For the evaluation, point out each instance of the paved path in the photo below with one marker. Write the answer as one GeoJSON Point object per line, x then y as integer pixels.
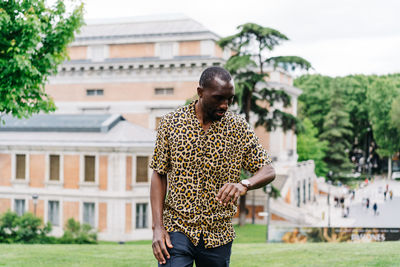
{"type": "Point", "coordinates": [389, 210]}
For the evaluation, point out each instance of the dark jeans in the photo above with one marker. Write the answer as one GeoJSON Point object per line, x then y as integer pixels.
{"type": "Point", "coordinates": [184, 253]}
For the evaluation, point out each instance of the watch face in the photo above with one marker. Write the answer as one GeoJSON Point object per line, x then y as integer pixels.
{"type": "Point", "coordinates": [245, 183]}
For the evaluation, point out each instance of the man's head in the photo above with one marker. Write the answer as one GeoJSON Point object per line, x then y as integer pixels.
{"type": "Point", "coordinates": [216, 91]}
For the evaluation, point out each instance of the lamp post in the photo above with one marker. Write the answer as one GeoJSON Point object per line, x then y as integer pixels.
{"type": "Point", "coordinates": [269, 190]}
{"type": "Point", "coordinates": [329, 203]}
{"type": "Point", "coordinates": [35, 200]}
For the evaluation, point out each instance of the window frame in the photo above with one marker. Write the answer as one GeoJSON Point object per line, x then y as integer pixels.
{"type": "Point", "coordinates": [165, 91]}
{"type": "Point", "coordinates": [96, 92]}
{"type": "Point", "coordinates": [26, 204]}
{"type": "Point", "coordinates": [82, 181]}
{"type": "Point", "coordinates": [14, 167]}
{"type": "Point", "coordinates": [61, 168]}
{"type": "Point", "coordinates": [58, 215]}
{"type": "Point", "coordinates": [134, 169]}
{"type": "Point", "coordinates": [144, 217]}
{"type": "Point", "coordinates": [95, 210]}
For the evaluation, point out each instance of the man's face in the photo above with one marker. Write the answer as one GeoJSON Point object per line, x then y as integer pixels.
{"type": "Point", "coordinates": [216, 99]}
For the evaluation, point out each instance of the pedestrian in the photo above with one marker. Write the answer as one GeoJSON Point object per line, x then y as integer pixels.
{"type": "Point", "coordinates": [367, 204]}
{"type": "Point", "coordinates": [384, 195]}
{"type": "Point", "coordinates": [375, 208]}
{"type": "Point", "coordinates": [199, 153]}
{"type": "Point", "coordinates": [391, 194]}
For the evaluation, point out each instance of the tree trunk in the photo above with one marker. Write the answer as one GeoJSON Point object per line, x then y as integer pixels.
{"type": "Point", "coordinates": [242, 210]}
{"type": "Point", "coordinates": [390, 167]}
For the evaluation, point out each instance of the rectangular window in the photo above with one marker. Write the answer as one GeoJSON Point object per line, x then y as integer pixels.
{"type": "Point", "coordinates": [54, 168]}
{"type": "Point", "coordinates": [20, 166]}
{"type": "Point", "coordinates": [88, 213]}
{"type": "Point", "coordinates": [142, 166]}
{"type": "Point", "coordinates": [141, 215]}
{"type": "Point", "coordinates": [164, 91]}
{"type": "Point", "coordinates": [166, 50]}
{"type": "Point", "coordinates": [19, 206]}
{"type": "Point", "coordinates": [53, 213]}
{"type": "Point", "coordinates": [94, 92]}
{"type": "Point", "coordinates": [90, 168]}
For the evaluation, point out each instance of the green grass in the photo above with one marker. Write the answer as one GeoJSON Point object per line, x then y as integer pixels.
{"type": "Point", "coordinates": [256, 253]}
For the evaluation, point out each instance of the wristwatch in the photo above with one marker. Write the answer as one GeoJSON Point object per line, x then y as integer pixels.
{"type": "Point", "coordinates": [245, 183]}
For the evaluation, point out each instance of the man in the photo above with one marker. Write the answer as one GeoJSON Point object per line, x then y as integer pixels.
{"type": "Point", "coordinates": [199, 153]}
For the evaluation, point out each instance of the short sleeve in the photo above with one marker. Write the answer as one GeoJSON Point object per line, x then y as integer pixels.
{"type": "Point", "coordinates": [255, 156]}
{"type": "Point", "coordinates": [161, 160]}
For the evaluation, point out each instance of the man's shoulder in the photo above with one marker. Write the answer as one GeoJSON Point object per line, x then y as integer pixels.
{"type": "Point", "coordinates": [235, 119]}
{"type": "Point", "coordinates": [180, 112]}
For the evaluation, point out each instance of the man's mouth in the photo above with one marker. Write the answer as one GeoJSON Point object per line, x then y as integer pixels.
{"type": "Point", "coordinates": [220, 113]}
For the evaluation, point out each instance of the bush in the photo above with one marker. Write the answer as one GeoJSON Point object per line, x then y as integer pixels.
{"type": "Point", "coordinates": [23, 229]}
{"type": "Point", "coordinates": [76, 233]}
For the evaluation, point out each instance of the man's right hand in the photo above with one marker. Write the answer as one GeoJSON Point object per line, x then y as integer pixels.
{"type": "Point", "coordinates": [161, 241]}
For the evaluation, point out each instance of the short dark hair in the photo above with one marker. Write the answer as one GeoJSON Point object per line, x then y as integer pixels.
{"type": "Point", "coordinates": [210, 73]}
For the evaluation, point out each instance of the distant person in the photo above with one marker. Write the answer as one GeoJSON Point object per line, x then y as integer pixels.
{"type": "Point", "coordinates": [367, 204]}
{"type": "Point", "coordinates": [384, 195]}
{"type": "Point", "coordinates": [391, 194]}
{"type": "Point", "coordinates": [375, 208]}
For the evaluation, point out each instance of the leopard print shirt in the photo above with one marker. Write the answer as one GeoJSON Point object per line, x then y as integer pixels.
{"type": "Point", "coordinates": [197, 165]}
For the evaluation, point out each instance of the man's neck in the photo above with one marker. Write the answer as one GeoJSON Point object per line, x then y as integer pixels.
{"type": "Point", "coordinates": [205, 124]}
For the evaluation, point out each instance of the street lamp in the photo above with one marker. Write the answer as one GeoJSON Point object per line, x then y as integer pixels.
{"type": "Point", "coordinates": [329, 203]}
{"type": "Point", "coordinates": [269, 190]}
{"type": "Point", "coordinates": [35, 201]}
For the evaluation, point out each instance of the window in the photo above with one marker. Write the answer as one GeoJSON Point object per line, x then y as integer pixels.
{"type": "Point", "coordinates": [164, 91]}
{"type": "Point", "coordinates": [88, 213]}
{"type": "Point", "coordinates": [89, 168]}
{"type": "Point", "coordinates": [53, 213]}
{"type": "Point", "coordinates": [54, 168]}
{"type": "Point", "coordinates": [304, 191]}
{"type": "Point", "coordinates": [142, 164]}
{"type": "Point", "coordinates": [19, 206]}
{"type": "Point", "coordinates": [20, 167]}
{"type": "Point", "coordinates": [94, 92]}
{"type": "Point", "coordinates": [166, 50]}
{"type": "Point", "coordinates": [141, 215]}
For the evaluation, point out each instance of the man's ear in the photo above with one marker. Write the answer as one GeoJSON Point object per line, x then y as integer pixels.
{"type": "Point", "coordinates": [200, 91]}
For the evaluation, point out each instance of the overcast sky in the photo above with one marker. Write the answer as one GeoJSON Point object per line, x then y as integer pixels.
{"type": "Point", "coordinates": [338, 37]}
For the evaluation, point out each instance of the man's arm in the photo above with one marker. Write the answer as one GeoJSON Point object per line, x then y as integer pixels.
{"type": "Point", "coordinates": [161, 238]}
{"type": "Point", "coordinates": [230, 192]}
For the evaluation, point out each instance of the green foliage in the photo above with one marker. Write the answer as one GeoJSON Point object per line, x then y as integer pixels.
{"type": "Point", "coordinates": [337, 132]}
{"type": "Point", "coordinates": [250, 46]}
{"type": "Point", "coordinates": [33, 42]}
{"type": "Point", "coordinates": [395, 113]}
{"type": "Point", "coordinates": [76, 233]}
{"type": "Point", "coordinates": [310, 147]}
{"type": "Point", "coordinates": [26, 229]}
{"type": "Point", "coordinates": [380, 96]}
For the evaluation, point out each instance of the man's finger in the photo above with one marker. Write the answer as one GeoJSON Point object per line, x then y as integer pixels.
{"type": "Point", "coordinates": [235, 199]}
{"type": "Point", "coordinates": [219, 195]}
{"type": "Point", "coordinates": [225, 194]}
{"type": "Point", "coordinates": [157, 253]}
{"type": "Point", "coordinates": [164, 251]}
{"type": "Point", "coordinates": [168, 241]}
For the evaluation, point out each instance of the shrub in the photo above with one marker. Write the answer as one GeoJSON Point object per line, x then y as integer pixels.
{"type": "Point", "coordinates": [23, 229]}
{"type": "Point", "coordinates": [76, 233]}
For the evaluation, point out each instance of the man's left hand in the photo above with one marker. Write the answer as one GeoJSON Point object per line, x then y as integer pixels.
{"type": "Point", "coordinates": [230, 192]}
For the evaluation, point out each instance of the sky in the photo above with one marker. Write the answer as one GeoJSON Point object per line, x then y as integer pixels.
{"type": "Point", "coordinates": [338, 38]}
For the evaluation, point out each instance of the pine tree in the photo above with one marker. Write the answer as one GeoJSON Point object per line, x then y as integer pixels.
{"type": "Point", "coordinates": [337, 132]}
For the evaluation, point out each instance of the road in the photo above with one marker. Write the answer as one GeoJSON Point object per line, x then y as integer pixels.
{"type": "Point", "coordinates": [360, 216]}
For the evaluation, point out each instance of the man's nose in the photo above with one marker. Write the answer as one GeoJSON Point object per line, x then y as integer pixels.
{"type": "Point", "coordinates": [224, 104]}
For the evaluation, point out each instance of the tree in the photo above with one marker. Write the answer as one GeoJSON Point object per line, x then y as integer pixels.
{"type": "Point", "coordinates": [395, 113]}
{"type": "Point", "coordinates": [250, 48]}
{"type": "Point", "coordinates": [337, 132]}
{"type": "Point", "coordinates": [380, 96]}
{"type": "Point", "coordinates": [33, 43]}
{"type": "Point", "coordinates": [310, 147]}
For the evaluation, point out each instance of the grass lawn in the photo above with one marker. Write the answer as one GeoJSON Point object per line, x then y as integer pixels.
{"type": "Point", "coordinates": [256, 253]}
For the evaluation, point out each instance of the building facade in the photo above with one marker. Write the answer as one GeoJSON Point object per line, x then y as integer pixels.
{"type": "Point", "coordinates": [93, 168]}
